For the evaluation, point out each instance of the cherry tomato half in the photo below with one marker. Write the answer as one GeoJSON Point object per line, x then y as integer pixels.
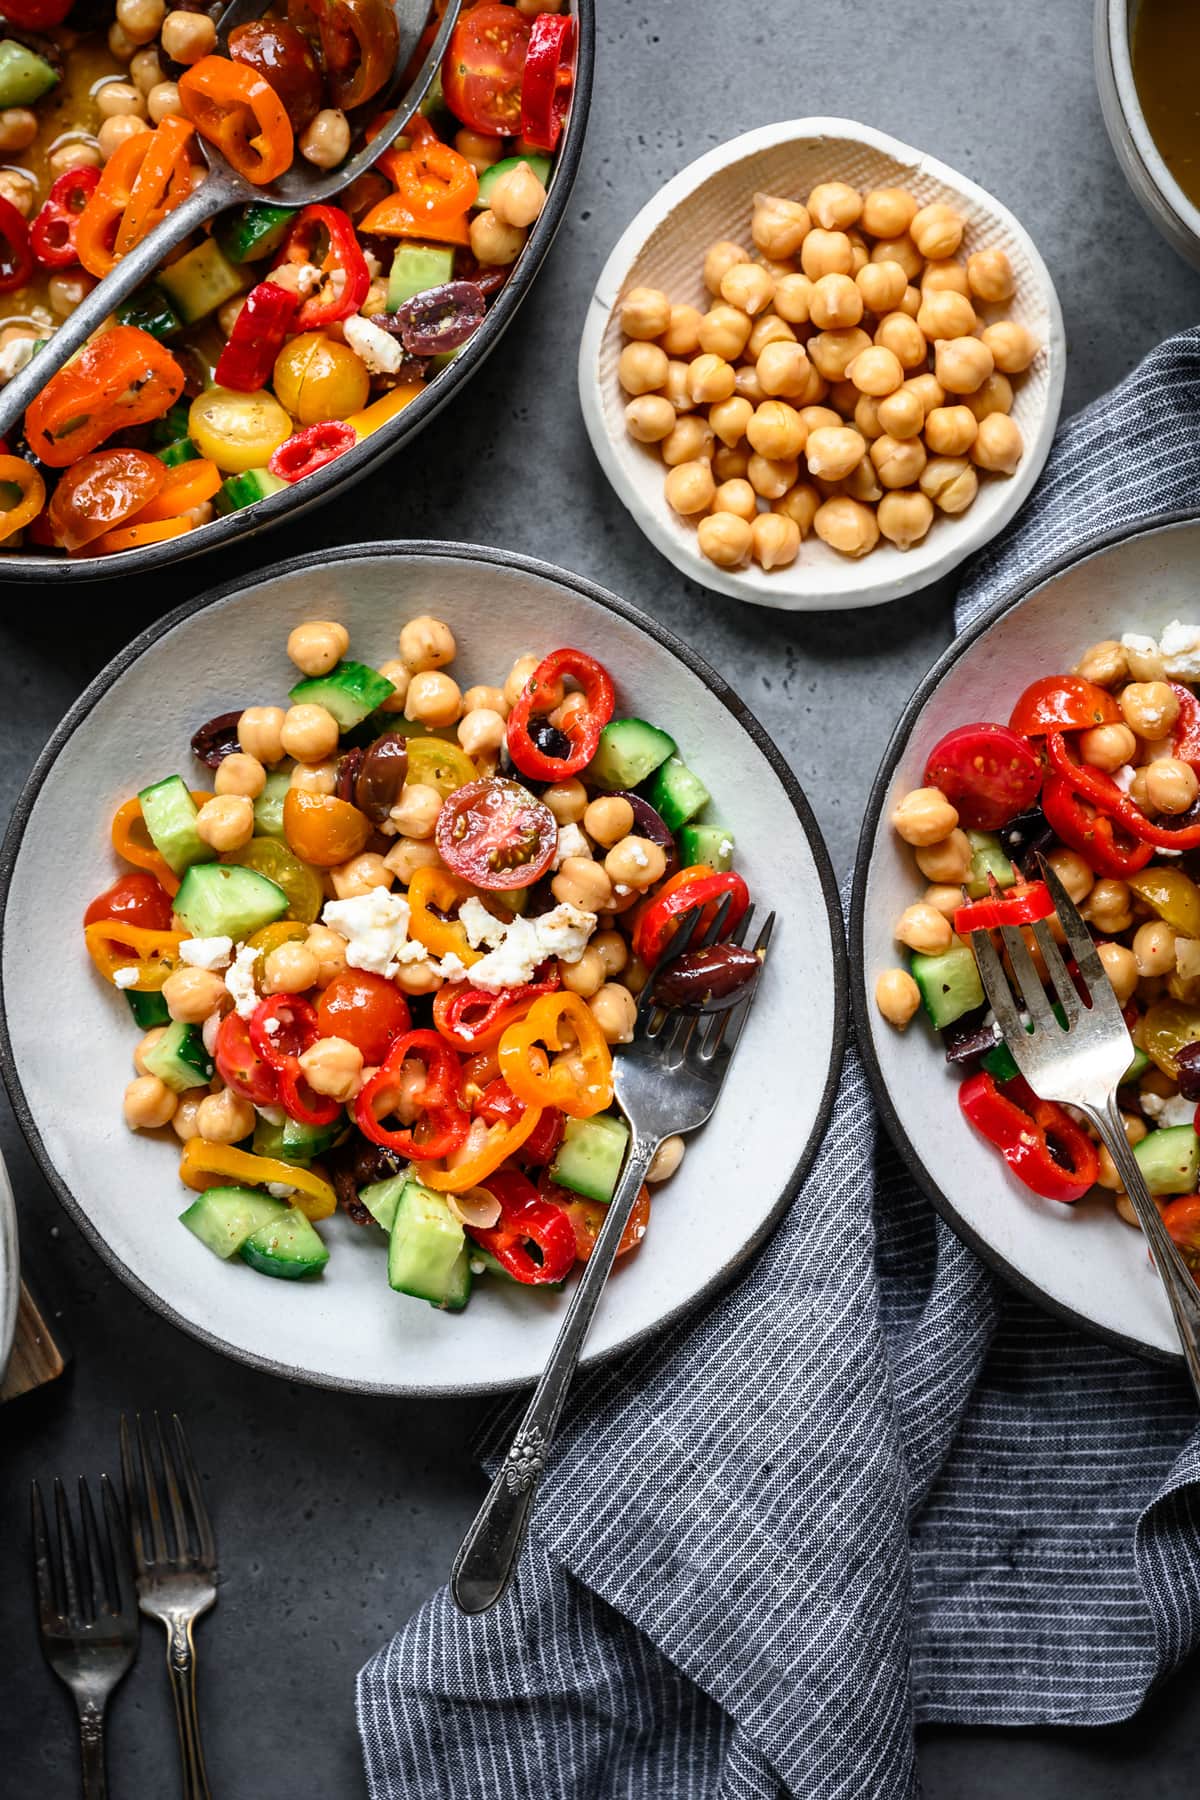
{"type": "Point", "coordinates": [239, 1064]}
{"type": "Point", "coordinates": [35, 15]}
{"type": "Point", "coordinates": [366, 1010]}
{"type": "Point", "coordinates": [587, 1217]}
{"type": "Point", "coordinates": [1062, 703]}
{"type": "Point", "coordinates": [284, 58]}
{"type": "Point", "coordinates": [323, 830]}
{"type": "Point", "coordinates": [483, 68]}
{"type": "Point", "coordinates": [1182, 1219]}
{"type": "Point", "coordinates": [100, 491]}
{"type": "Point", "coordinates": [496, 834]}
{"type": "Point", "coordinates": [987, 772]}
{"type": "Point", "coordinates": [139, 900]}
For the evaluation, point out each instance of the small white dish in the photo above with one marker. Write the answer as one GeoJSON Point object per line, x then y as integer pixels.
{"type": "Point", "coordinates": [664, 247]}
{"type": "Point", "coordinates": [1142, 162]}
{"type": "Point", "coordinates": [1079, 1261]}
{"type": "Point", "coordinates": [348, 1329]}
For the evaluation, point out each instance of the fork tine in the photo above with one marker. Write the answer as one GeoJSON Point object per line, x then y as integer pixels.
{"type": "Point", "coordinates": [713, 934]}
{"type": "Point", "coordinates": [50, 1610]}
{"type": "Point", "coordinates": [738, 934]}
{"type": "Point", "coordinates": [195, 1494]}
{"type": "Point", "coordinates": [1064, 987]}
{"type": "Point", "coordinates": [118, 1548]}
{"type": "Point", "coordinates": [66, 1552]}
{"type": "Point", "coordinates": [995, 986]}
{"type": "Point", "coordinates": [158, 1536]}
{"type": "Point", "coordinates": [133, 1498]}
{"type": "Point", "coordinates": [94, 1568]}
{"type": "Point", "coordinates": [1079, 938]}
{"type": "Point", "coordinates": [1028, 980]}
{"type": "Point", "coordinates": [179, 1522]}
{"type": "Point", "coordinates": [676, 947]}
{"type": "Point", "coordinates": [729, 1025]}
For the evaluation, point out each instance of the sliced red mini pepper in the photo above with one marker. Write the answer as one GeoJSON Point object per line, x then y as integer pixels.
{"type": "Point", "coordinates": [1104, 794]}
{"type": "Point", "coordinates": [310, 449]}
{"type": "Point", "coordinates": [1023, 904]}
{"type": "Point", "coordinates": [282, 1028]}
{"type": "Point", "coordinates": [444, 1121]}
{"type": "Point", "coordinates": [1040, 1142]}
{"type": "Point", "coordinates": [472, 1019]}
{"type": "Point", "coordinates": [342, 255]}
{"type": "Point", "coordinates": [582, 729]}
{"type": "Point", "coordinates": [1185, 739]}
{"type": "Point", "coordinates": [16, 255]}
{"type": "Point", "coordinates": [1062, 703]}
{"type": "Point", "coordinates": [52, 234]}
{"type": "Point", "coordinates": [498, 1105]}
{"type": "Point", "coordinates": [246, 362]}
{"type": "Point", "coordinates": [526, 1219]}
{"type": "Point", "coordinates": [547, 80]}
{"type": "Point", "coordinates": [302, 1102]}
{"type": "Point", "coordinates": [1080, 827]}
{"type": "Point", "coordinates": [697, 886]}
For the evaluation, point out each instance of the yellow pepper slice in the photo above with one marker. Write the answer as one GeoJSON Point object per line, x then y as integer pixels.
{"type": "Point", "coordinates": [154, 954]}
{"type": "Point", "coordinates": [29, 499]}
{"type": "Point", "coordinates": [385, 408]}
{"type": "Point", "coordinates": [502, 1141]}
{"type": "Point", "coordinates": [132, 841]}
{"type": "Point", "coordinates": [283, 931]}
{"type": "Point", "coordinates": [437, 764]}
{"type": "Point", "coordinates": [527, 1070]}
{"type": "Point", "coordinates": [441, 937]}
{"type": "Point", "coordinates": [313, 1196]}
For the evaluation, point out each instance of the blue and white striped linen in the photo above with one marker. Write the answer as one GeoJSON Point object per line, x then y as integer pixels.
{"type": "Point", "coordinates": [868, 1487]}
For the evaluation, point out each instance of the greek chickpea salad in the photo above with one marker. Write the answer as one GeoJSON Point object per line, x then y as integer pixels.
{"type": "Point", "coordinates": [383, 960]}
{"type": "Point", "coordinates": [280, 337]}
{"type": "Point", "coordinates": [1097, 770]}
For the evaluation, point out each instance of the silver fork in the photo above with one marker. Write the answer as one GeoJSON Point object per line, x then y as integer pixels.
{"type": "Point", "coordinates": [667, 1080]}
{"type": "Point", "coordinates": [1081, 1065]}
{"type": "Point", "coordinates": [176, 1573]}
{"type": "Point", "coordinates": [87, 1613]}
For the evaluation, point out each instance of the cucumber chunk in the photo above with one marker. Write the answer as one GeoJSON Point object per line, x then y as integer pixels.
{"type": "Point", "coordinates": [350, 692]}
{"type": "Point", "coordinates": [249, 233]}
{"type": "Point", "coordinates": [415, 269]}
{"type": "Point", "coordinates": [987, 858]}
{"type": "Point", "coordinates": [427, 1250]}
{"type": "Point", "coordinates": [149, 310]}
{"type": "Point", "coordinates": [241, 490]}
{"type": "Point", "coordinates": [629, 750]}
{"type": "Point", "coordinates": [181, 451]}
{"type": "Point", "coordinates": [710, 844]}
{"type": "Point", "coordinates": [1170, 1159]}
{"type": "Point", "coordinates": [179, 1058]}
{"type": "Point", "coordinates": [170, 814]}
{"type": "Point", "coordinates": [949, 984]}
{"type": "Point", "coordinates": [383, 1197]}
{"type": "Point", "coordinates": [24, 75]}
{"type": "Point", "coordinates": [1137, 1068]}
{"type": "Point", "coordinates": [590, 1156]}
{"type": "Point", "coordinates": [225, 900]}
{"type": "Point", "coordinates": [148, 1010]}
{"type": "Point", "coordinates": [286, 1247]}
{"type": "Point", "coordinates": [487, 181]}
{"type": "Point", "coordinates": [268, 808]}
{"type": "Point", "coordinates": [224, 1217]}
{"type": "Point", "coordinates": [201, 281]}
{"type": "Point", "coordinates": [676, 793]}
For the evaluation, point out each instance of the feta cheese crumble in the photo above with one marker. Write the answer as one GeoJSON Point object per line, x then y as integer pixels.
{"type": "Point", "coordinates": [571, 842]}
{"type": "Point", "coordinates": [125, 978]}
{"type": "Point", "coordinates": [382, 354]}
{"type": "Point", "coordinates": [207, 953]}
{"type": "Point", "coordinates": [239, 979]}
{"type": "Point", "coordinates": [1136, 641]}
{"type": "Point", "coordinates": [375, 927]}
{"type": "Point", "coordinates": [527, 943]}
{"type": "Point", "coordinates": [1180, 646]}
{"type": "Point", "coordinates": [481, 926]}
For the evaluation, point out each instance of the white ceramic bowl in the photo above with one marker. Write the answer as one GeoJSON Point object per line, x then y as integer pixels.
{"type": "Point", "coordinates": [1142, 164]}
{"type": "Point", "coordinates": [10, 1269]}
{"type": "Point", "coordinates": [1080, 1261]}
{"type": "Point", "coordinates": [348, 1329]}
{"type": "Point", "coordinates": [664, 247]}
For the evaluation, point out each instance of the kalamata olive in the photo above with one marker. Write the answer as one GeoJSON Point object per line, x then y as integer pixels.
{"type": "Point", "coordinates": [276, 51]}
{"type": "Point", "coordinates": [441, 318]}
{"type": "Point", "coordinates": [356, 1164]}
{"type": "Point", "coordinates": [347, 774]}
{"type": "Point", "coordinates": [488, 278]}
{"type": "Point", "coordinates": [379, 780]}
{"type": "Point", "coordinates": [549, 739]}
{"type": "Point", "coordinates": [707, 980]}
{"type": "Point", "coordinates": [217, 739]}
{"type": "Point", "coordinates": [970, 1036]}
{"type": "Point", "coordinates": [1187, 1065]}
{"type": "Point", "coordinates": [1023, 837]}
{"type": "Point", "coordinates": [649, 824]}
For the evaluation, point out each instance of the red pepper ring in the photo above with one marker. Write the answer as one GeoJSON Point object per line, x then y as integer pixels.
{"type": "Point", "coordinates": [548, 79]}
{"type": "Point", "coordinates": [1104, 794]}
{"type": "Point", "coordinates": [282, 1028]}
{"type": "Point", "coordinates": [541, 694]}
{"type": "Point", "coordinates": [52, 234]}
{"type": "Point", "coordinates": [1080, 827]}
{"type": "Point", "coordinates": [257, 337]}
{"type": "Point", "coordinates": [443, 1114]}
{"type": "Point", "coordinates": [309, 450]}
{"type": "Point", "coordinates": [1028, 1132]}
{"type": "Point", "coordinates": [472, 1019]}
{"type": "Point", "coordinates": [16, 256]}
{"type": "Point", "coordinates": [498, 1105]}
{"type": "Point", "coordinates": [525, 1219]}
{"type": "Point", "coordinates": [657, 924]}
{"type": "Point", "coordinates": [1185, 739]}
{"type": "Point", "coordinates": [302, 1102]}
{"type": "Point", "coordinates": [329, 304]}
{"type": "Point", "coordinates": [1023, 904]}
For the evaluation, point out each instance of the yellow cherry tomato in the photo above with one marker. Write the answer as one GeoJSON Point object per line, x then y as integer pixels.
{"type": "Point", "coordinates": [237, 431]}
{"type": "Point", "coordinates": [317, 378]}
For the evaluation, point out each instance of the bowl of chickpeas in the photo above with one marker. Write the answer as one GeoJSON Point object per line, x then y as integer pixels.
{"type": "Point", "coordinates": [820, 368]}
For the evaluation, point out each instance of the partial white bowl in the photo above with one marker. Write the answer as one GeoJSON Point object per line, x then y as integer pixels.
{"type": "Point", "coordinates": [347, 1329]}
{"type": "Point", "coordinates": [664, 247]}
{"type": "Point", "coordinates": [1079, 1261]}
{"type": "Point", "coordinates": [1142, 163]}
{"type": "Point", "coordinates": [10, 1269]}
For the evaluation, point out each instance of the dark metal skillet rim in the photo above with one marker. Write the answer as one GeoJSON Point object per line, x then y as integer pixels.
{"type": "Point", "coordinates": [344, 471]}
{"type": "Point", "coordinates": [432, 550]}
{"type": "Point", "coordinates": [862, 1002]}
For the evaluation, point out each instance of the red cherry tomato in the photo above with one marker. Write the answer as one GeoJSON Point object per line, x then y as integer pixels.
{"type": "Point", "coordinates": [366, 1010]}
{"type": "Point", "coordinates": [138, 900]}
{"type": "Point", "coordinates": [240, 1066]}
{"type": "Point", "coordinates": [483, 68]}
{"type": "Point", "coordinates": [498, 1105]}
{"type": "Point", "coordinates": [1062, 703]}
{"type": "Point", "coordinates": [496, 834]}
{"type": "Point", "coordinates": [35, 15]}
{"type": "Point", "coordinates": [102, 490]}
{"type": "Point", "coordinates": [588, 1216]}
{"type": "Point", "coordinates": [987, 772]}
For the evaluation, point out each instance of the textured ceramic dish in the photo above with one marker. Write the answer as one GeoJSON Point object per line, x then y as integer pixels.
{"type": "Point", "coordinates": [10, 1269]}
{"type": "Point", "coordinates": [664, 247]}
{"type": "Point", "coordinates": [347, 1329]}
{"type": "Point", "coordinates": [1142, 164]}
{"type": "Point", "coordinates": [391, 438]}
{"type": "Point", "coordinates": [1080, 1261]}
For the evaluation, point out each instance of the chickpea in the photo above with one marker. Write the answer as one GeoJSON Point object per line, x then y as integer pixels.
{"type": "Point", "coordinates": [793, 298]}
{"type": "Point", "coordinates": [774, 540]}
{"type": "Point", "coordinates": [666, 1160]}
{"type": "Point", "coordinates": [945, 277]}
{"type": "Point", "coordinates": [904, 338]}
{"type": "Point", "coordinates": [730, 465]}
{"type": "Point", "coordinates": [642, 368]}
{"type": "Point", "coordinates": [608, 819]}
{"type": "Point", "coordinates": [650, 418]}
{"type": "Point", "coordinates": [994, 396]}
{"type": "Point", "coordinates": [334, 1067]}
{"type": "Point", "coordinates": [567, 800]}
{"type": "Point", "coordinates": [226, 823]}
{"type": "Point", "coordinates": [145, 1044]}
{"type": "Point", "coordinates": [1154, 948]}
{"type": "Point", "coordinates": [192, 994]}
{"type": "Point", "coordinates": [309, 733]}
{"type": "Point", "coordinates": [846, 525]}
{"type": "Point", "coordinates": [950, 482]}
{"type": "Point", "coordinates": [146, 71]}
{"type": "Point", "coordinates": [583, 883]}
{"type": "Point", "coordinates": [18, 129]}
{"type": "Point", "coordinates": [747, 287]}
{"type": "Point", "coordinates": [724, 332]}
{"type": "Point", "coordinates": [1105, 663]}
{"type": "Point", "coordinates": [783, 370]}
{"type": "Point", "coordinates": [612, 950]}
{"type": "Point", "coordinates": [778, 227]}
{"type": "Point", "coordinates": [240, 774]}
{"type": "Point", "coordinates": [923, 929]}
{"type": "Point", "coordinates": [518, 198]}
{"type": "Point", "coordinates": [729, 419]}
{"type": "Point", "coordinates": [835, 302]}
{"type": "Point", "coordinates": [924, 816]}
{"type": "Point", "coordinates": [772, 477]}
{"type": "Point", "coordinates": [1171, 785]}
{"type": "Point", "coordinates": [962, 364]}
{"type": "Point", "coordinates": [585, 977]}
{"type": "Point", "coordinates": [1138, 792]}
{"type": "Point", "coordinates": [291, 968]}
{"type": "Point", "coordinates": [945, 314]}
{"type": "Point", "coordinates": [426, 643]}
{"type": "Point", "coordinates": [112, 100]}
{"type": "Point", "coordinates": [66, 291]}
{"type": "Point", "coordinates": [407, 855]}
{"type": "Point", "coordinates": [725, 539]}
{"type": "Point", "coordinates": [928, 391]}
{"type": "Point", "coordinates": [691, 439]}
{"type": "Point", "coordinates": [832, 352]}
{"type": "Point", "coordinates": [317, 647]}
{"type": "Point", "coordinates": [433, 699]}
{"type": "Point", "coordinates": [481, 731]}
{"type": "Point", "coordinates": [898, 461]}
{"type": "Point", "coordinates": [361, 875]}
{"type": "Point", "coordinates": [1107, 747]}
{"type": "Point", "coordinates": [492, 242]}
{"type": "Point", "coordinates": [775, 430]}
{"type": "Point", "coordinates": [844, 397]}
{"type": "Point", "coordinates": [768, 328]}
{"type": "Point", "coordinates": [886, 212]}
{"type": "Point", "coordinates": [800, 504]}
{"type": "Point", "coordinates": [937, 230]}
{"type": "Point", "coordinates": [1108, 907]}
{"type": "Point", "coordinates": [897, 996]}
{"type": "Point", "coordinates": [328, 951]}
{"type": "Point", "coordinates": [826, 253]}
{"type": "Point", "coordinates": [416, 812]}
{"type": "Point", "coordinates": [183, 1119]}
{"type": "Point", "coordinates": [862, 483]}
{"type": "Point", "coordinates": [149, 1103]}
{"type": "Point", "coordinates": [902, 251]}
{"type": "Point", "coordinates": [1149, 708]}
{"type": "Point", "coordinates": [186, 36]}
{"type": "Point", "coordinates": [900, 415]}
{"type": "Point", "coordinates": [951, 430]}
{"type": "Point", "coordinates": [120, 44]}
{"type": "Point", "coordinates": [944, 897]}
{"type": "Point", "coordinates": [682, 335]}
{"type": "Point", "coordinates": [485, 699]}
{"type": "Point", "coordinates": [615, 1012]}
{"type": "Point", "coordinates": [1107, 1175]}
{"type": "Point", "coordinates": [689, 488]}
{"type": "Point", "coordinates": [140, 20]}
{"type": "Point", "coordinates": [718, 261]}
{"type": "Point", "coordinates": [736, 496]}
{"type": "Point", "coordinates": [710, 377]}
{"type": "Point", "coordinates": [947, 859]}
{"type": "Point", "coordinates": [260, 733]}
{"type": "Point", "coordinates": [637, 862]}
{"type": "Point", "coordinates": [866, 416]}
{"type": "Point", "coordinates": [881, 285]}
{"type": "Point", "coordinates": [115, 132]}
{"type": "Point", "coordinates": [481, 152]}
{"type": "Point", "coordinates": [904, 517]}
{"type": "Point", "coordinates": [998, 445]}
{"type": "Point", "coordinates": [876, 371]}
{"type": "Point", "coordinates": [831, 452]}
{"type": "Point", "coordinates": [315, 778]}
{"type": "Point", "coordinates": [990, 275]}
{"type": "Point", "coordinates": [224, 1118]}
{"type": "Point", "coordinates": [1013, 348]}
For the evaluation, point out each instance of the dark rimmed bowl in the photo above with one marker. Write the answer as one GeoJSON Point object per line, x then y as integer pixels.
{"type": "Point", "coordinates": [1080, 1262]}
{"type": "Point", "coordinates": [345, 471]}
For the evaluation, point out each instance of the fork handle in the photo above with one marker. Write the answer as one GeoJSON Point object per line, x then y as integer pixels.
{"type": "Point", "coordinates": [91, 1750]}
{"type": "Point", "coordinates": [484, 1565]}
{"type": "Point", "coordinates": [181, 1667]}
{"type": "Point", "coordinates": [1173, 1272]}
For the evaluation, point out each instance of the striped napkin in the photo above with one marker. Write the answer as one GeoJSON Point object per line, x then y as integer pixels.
{"type": "Point", "coordinates": [868, 1487]}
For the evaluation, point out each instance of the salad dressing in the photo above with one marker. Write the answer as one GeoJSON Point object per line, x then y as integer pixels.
{"type": "Point", "coordinates": [1166, 69]}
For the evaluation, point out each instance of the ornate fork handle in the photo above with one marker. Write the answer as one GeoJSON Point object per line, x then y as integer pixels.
{"type": "Point", "coordinates": [181, 1667]}
{"type": "Point", "coordinates": [485, 1563]}
{"type": "Point", "coordinates": [91, 1750]}
{"type": "Point", "coordinates": [1181, 1290]}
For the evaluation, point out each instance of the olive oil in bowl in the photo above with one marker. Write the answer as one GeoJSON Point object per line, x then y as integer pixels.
{"type": "Point", "coordinates": [1165, 48]}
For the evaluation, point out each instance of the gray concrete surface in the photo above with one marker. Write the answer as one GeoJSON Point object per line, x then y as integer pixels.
{"type": "Point", "coordinates": [337, 1517]}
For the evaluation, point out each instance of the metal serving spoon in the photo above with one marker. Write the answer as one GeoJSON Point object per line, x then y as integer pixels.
{"type": "Point", "coordinates": [301, 185]}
